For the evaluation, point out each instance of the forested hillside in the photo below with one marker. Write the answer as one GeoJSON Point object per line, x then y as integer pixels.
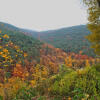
{"type": "Point", "coordinates": [32, 69]}
{"type": "Point", "coordinates": [29, 45]}
{"type": "Point", "coordinates": [70, 39]}
{"type": "Point", "coordinates": [59, 64]}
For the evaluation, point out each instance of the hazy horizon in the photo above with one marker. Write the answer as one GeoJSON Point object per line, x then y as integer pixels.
{"type": "Point", "coordinates": [42, 15]}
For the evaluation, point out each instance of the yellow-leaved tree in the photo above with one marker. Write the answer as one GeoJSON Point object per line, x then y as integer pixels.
{"type": "Point", "coordinates": [10, 55]}
{"type": "Point", "coordinates": [94, 23]}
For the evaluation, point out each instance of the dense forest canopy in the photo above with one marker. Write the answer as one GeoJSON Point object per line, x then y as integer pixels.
{"type": "Point", "coordinates": [51, 65]}
{"type": "Point", "coordinates": [71, 39]}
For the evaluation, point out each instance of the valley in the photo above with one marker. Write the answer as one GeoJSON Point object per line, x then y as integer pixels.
{"type": "Point", "coordinates": [49, 65]}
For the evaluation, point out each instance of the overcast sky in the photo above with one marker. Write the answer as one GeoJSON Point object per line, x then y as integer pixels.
{"type": "Point", "coordinates": [42, 14]}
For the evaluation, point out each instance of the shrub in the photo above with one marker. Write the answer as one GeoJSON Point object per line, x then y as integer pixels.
{"type": "Point", "coordinates": [26, 94]}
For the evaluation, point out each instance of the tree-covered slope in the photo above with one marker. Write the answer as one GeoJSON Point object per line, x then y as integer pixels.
{"type": "Point", "coordinates": [45, 54]}
{"type": "Point", "coordinates": [70, 39]}
{"type": "Point", "coordinates": [28, 44]}
{"type": "Point", "coordinates": [44, 70]}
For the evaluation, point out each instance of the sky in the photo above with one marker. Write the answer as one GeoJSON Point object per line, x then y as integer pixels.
{"type": "Point", "coordinates": [42, 14]}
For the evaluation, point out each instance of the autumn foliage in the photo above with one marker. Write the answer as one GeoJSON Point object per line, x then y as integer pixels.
{"type": "Point", "coordinates": [16, 71]}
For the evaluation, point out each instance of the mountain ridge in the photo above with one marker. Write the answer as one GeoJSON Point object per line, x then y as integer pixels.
{"type": "Point", "coordinates": [69, 39]}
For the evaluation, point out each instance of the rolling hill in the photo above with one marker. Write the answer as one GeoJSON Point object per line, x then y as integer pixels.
{"type": "Point", "coordinates": [66, 44]}
{"type": "Point", "coordinates": [37, 52]}
{"type": "Point", "coordinates": [71, 39]}
{"type": "Point", "coordinates": [31, 69]}
{"type": "Point", "coordinates": [26, 43]}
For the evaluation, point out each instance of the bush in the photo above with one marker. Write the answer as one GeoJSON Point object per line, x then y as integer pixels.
{"type": "Point", "coordinates": [26, 94]}
{"type": "Point", "coordinates": [10, 89]}
{"type": "Point", "coordinates": [80, 84]}
{"type": "Point", "coordinates": [83, 83]}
